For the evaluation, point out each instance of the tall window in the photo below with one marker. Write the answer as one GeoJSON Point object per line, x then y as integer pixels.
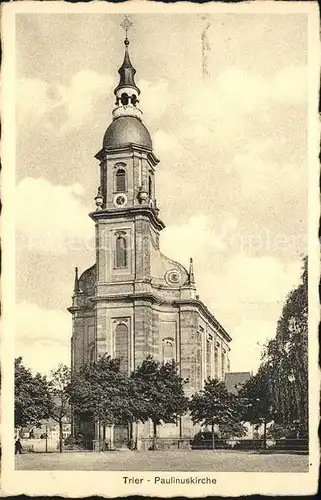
{"type": "Point", "coordinates": [223, 365]}
{"type": "Point", "coordinates": [121, 251]}
{"type": "Point", "coordinates": [121, 346]}
{"type": "Point", "coordinates": [168, 350]}
{"type": "Point", "coordinates": [150, 186]}
{"type": "Point", "coordinates": [121, 180]}
{"type": "Point", "coordinates": [208, 358]}
{"type": "Point", "coordinates": [216, 362]}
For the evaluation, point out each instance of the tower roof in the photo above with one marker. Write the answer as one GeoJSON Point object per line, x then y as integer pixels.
{"type": "Point", "coordinates": [127, 127]}
{"type": "Point", "coordinates": [127, 130]}
{"type": "Point", "coordinates": [127, 72]}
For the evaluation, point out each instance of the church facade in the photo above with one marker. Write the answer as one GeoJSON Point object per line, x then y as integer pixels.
{"type": "Point", "coordinates": [134, 301]}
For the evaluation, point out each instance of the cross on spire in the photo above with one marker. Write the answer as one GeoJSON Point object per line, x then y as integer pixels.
{"type": "Point", "coordinates": [126, 24]}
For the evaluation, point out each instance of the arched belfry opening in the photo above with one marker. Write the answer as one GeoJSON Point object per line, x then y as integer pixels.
{"type": "Point", "coordinates": [124, 99]}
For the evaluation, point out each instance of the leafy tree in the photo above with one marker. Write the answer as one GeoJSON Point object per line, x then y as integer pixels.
{"type": "Point", "coordinates": [231, 429]}
{"type": "Point", "coordinates": [287, 358]}
{"type": "Point", "coordinates": [60, 380]}
{"type": "Point", "coordinates": [33, 401]}
{"type": "Point", "coordinates": [214, 405]}
{"type": "Point", "coordinates": [160, 388]}
{"type": "Point", "coordinates": [257, 401]}
{"type": "Point", "coordinates": [102, 390]}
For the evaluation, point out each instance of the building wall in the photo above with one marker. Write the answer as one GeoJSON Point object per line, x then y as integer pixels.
{"type": "Point", "coordinates": [146, 307]}
{"type": "Point", "coordinates": [83, 338]}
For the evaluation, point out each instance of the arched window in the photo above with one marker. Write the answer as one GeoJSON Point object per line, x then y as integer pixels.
{"type": "Point", "coordinates": [121, 346]}
{"type": "Point", "coordinates": [150, 186]}
{"type": "Point", "coordinates": [120, 180]}
{"type": "Point", "coordinates": [124, 99]}
{"type": "Point", "coordinates": [121, 251]}
{"type": "Point", "coordinates": [92, 355]}
{"type": "Point", "coordinates": [134, 100]}
{"type": "Point", "coordinates": [168, 350]}
{"type": "Point", "coordinates": [208, 358]}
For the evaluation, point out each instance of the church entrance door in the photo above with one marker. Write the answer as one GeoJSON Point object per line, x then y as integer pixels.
{"type": "Point", "coordinates": [121, 436]}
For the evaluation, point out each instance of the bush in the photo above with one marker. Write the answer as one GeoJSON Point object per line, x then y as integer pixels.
{"type": "Point", "coordinates": [249, 444]}
{"type": "Point", "coordinates": [74, 443]}
{"type": "Point", "coordinates": [292, 444]}
{"type": "Point", "coordinates": [203, 441]}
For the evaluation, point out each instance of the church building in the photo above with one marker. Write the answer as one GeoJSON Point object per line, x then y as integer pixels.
{"type": "Point", "coordinates": [134, 301]}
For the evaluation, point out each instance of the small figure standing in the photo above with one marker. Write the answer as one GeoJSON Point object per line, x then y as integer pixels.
{"type": "Point", "coordinates": [18, 446]}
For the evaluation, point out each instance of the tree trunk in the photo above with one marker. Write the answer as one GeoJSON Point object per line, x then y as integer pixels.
{"type": "Point", "coordinates": [213, 437]}
{"type": "Point", "coordinates": [130, 436]}
{"type": "Point", "coordinates": [154, 436]}
{"type": "Point", "coordinates": [136, 436]}
{"type": "Point", "coordinates": [104, 438]}
{"type": "Point", "coordinates": [60, 436]}
{"type": "Point", "coordinates": [99, 434]}
{"type": "Point", "coordinates": [264, 434]}
{"type": "Point", "coordinates": [110, 437]}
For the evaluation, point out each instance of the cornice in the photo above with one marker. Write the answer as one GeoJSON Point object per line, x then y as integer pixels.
{"type": "Point", "coordinates": [209, 316]}
{"type": "Point", "coordinates": [84, 308]}
{"type": "Point", "coordinates": [154, 299]}
{"type": "Point", "coordinates": [130, 211]}
{"type": "Point", "coordinates": [128, 297]}
{"type": "Point", "coordinates": [104, 152]}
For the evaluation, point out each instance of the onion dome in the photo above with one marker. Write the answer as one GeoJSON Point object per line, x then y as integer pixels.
{"type": "Point", "coordinates": [126, 72]}
{"type": "Point", "coordinates": [126, 130]}
{"type": "Point", "coordinates": [127, 127]}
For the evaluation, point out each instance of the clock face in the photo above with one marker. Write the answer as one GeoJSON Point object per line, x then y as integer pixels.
{"type": "Point", "coordinates": [120, 200]}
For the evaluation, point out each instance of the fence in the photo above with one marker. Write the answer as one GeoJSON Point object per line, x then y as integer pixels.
{"type": "Point", "coordinates": [163, 443]}
{"type": "Point", "coordinates": [40, 445]}
{"type": "Point", "coordinates": [251, 444]}
{"type": "Point", "coordinates": [299, 445]}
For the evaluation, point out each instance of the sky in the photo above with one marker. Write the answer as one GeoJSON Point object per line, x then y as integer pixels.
{"type": "Point", "coordinates": [232, 178]}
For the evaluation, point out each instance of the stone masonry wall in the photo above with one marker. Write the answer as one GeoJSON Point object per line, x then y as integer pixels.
{"type": "Point", "coordinates": [143, 331]}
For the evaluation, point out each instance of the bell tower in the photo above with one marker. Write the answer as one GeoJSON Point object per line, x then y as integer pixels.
{"type": "Point", "coordinates": [127, 217]}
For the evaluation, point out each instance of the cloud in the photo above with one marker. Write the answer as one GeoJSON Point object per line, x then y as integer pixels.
{"type": "Point", "coordinates": [233, 94]}
{"type": "Point", "coordinates": [81, 96]}
{"type": "Point", "coordinates": [257, 279]}
{"type": "Point", "coordinates": [259, 175]}
{"type": "Point", "coordinates": [289, 86]}
{"type": "Point", "coordinates": [42, 337]}
{"type": "Point", "coordinates": [164, 143]}
{"type": "Point", "coordinates": [34, 100]}
{"type": "Point", "coordinates": [198, 237]}
{"type": "Point", "coordinates": [222, 104]}
{"type": "Point", "coordinates": [51, 218]}
{"type": "Point", "coordinates": [249, 337]}
{"type": "Point", "coordinates": [61, 107]}
{"type": "Point", "coordinates": [155, 98]}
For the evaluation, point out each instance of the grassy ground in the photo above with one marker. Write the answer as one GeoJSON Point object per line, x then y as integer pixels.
{"type": "Point", "coordinates": [202, 461]}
